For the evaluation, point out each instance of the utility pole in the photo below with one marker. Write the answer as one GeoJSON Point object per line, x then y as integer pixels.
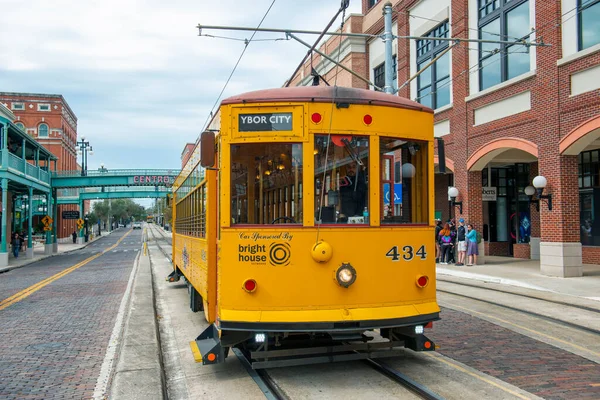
{"type": "Point", "coordinates": [388, 39]}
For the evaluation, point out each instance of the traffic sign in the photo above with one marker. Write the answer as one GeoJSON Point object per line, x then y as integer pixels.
{"type": "Point", "coordinates": [79, 221]}
{"type": "Point", "coordinates": [47, 228]}
{"type": "Point", "coordinates": [70, 214]}
{"type": "Point", "coordinates": [46, 220]}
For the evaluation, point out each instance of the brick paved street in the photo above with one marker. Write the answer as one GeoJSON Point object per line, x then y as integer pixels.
{"type": "Point", "coordinates": [54, 341]}
{"type": "Point", "coordinates": [536, 367]}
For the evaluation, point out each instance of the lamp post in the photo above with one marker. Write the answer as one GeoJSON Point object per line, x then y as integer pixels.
{"type": "Point", "coordinates": [539, 184]}
{"type": "Point", "coordinates": [453, 194]}
{"type": "Point", "coordinates": [102, 169]}
{"type": "Point", "coordinates": [84, 148]}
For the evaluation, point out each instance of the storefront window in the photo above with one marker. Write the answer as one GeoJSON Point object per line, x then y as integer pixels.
{"type": "Point", "coordinates": [341, 179]}
{"type": "Point", "coordinates": [266, 183]}
{"type": "Point", "coordinates": [403, 181]}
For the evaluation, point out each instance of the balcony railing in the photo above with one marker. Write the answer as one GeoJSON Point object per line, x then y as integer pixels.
{"type": "Point", "coordinates": [20, 165]}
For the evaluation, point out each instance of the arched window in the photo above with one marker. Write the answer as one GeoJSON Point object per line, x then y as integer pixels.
{"type": "Point", "coordinates": [21, 126]}
{"type": "Point", "coordinates": [43, 130]}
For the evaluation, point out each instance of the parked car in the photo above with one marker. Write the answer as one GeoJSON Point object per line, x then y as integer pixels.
{"type": "Point", "coordinates": [137, 225]}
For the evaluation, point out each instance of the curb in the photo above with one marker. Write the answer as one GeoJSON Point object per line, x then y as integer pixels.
{"type": "Point", "coordinates": [138, 373]}
{"type": "Point", "coordinates": [488, 278]}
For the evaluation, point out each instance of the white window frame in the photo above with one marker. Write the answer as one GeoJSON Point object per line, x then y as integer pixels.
{"type": "Point", "coordinates": [15, 106]}
{"type": "Point", "coordinates": [40, 105]}
{"type": "Point", "coordinates": [48, 131]}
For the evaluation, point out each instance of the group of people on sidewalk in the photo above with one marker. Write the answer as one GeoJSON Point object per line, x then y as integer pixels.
{"type": "Point", "coordinates": [451, 240]}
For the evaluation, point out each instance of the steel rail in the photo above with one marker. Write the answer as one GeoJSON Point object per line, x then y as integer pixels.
{"type": "Point", "coordinates": [564, 303]}
{"type": "Point", "coordinates": [541, 316]}
{"type": "Point", "coordinates": [403, 380]}
{"type": "Point", "coordinates": [263, 380]}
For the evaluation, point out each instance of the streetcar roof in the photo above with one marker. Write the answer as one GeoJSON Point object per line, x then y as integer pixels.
{"type": "Point", "coordinates": [326, 94]}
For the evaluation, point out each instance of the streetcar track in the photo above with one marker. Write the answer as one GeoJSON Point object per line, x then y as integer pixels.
{"type": "Point", "coordinates": [586, 308]}
{"type": "Point", "coordinates": [261, 377]}
{"type": "Point", "coordinates": [533, 313]}
{"type": "Point", "coordinates": [403, 380]}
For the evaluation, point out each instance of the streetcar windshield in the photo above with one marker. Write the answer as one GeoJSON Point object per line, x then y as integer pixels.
{"type": "Point", "coordinates": [266, 183]}
{"type": "Point", "coordinates": [341, 179]}
{"type": "Point", "coordinates": [404, 184]}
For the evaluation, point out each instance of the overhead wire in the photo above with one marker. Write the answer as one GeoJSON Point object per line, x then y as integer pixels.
{"type": "Point", "coordinates": [506, 53]}
{"type": "Point", "coordinates": [205, 125]}
{"type": "Point", "coordinates": [322, 198]}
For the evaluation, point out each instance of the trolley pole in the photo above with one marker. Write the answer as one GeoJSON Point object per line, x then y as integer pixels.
{"type": "Point", "coordinates": [388, 39]}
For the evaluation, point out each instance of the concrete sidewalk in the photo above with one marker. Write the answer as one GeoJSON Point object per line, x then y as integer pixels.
{"type": "Point", "coordinates": [39, 253]}
{"type": "Point", "coordinates": [526, 274]}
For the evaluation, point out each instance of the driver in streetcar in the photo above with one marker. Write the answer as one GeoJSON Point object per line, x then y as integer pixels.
{"type": "Point", "coordinates": [353, 190]}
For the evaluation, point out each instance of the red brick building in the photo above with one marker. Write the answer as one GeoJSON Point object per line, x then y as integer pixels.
{"type": "Point", "coordinates": [49, 119]}
{"type": "Point", "coordinates": [188, 149]}
{"type": "Point", "coordinates": [507, 113]}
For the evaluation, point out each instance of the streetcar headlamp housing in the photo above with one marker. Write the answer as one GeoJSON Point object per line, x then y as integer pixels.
{"type": "Point", "coordinates": [419, 329]}
{"type": "Point", "coordinates": [345, 275]}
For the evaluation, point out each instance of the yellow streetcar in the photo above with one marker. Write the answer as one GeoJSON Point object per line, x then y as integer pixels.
{"type": "Point", "coordinates": [304, 227]}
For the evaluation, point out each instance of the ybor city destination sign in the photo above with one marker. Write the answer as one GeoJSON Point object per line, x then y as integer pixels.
{"type": "Point", "coordinates": [165, 180]}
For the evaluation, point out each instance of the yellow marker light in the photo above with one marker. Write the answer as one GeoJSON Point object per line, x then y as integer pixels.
{"type": "Point", "coordinates": [345, 275]}
{"type": "Point", "coordinates": [322, 252]}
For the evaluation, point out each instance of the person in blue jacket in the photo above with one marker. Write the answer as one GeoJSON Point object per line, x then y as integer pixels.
{"type": "Point", "coordinates": [472, 250]}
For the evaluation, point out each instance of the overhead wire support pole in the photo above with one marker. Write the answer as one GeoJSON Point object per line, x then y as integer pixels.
{"type": "Point", "coordinates": [388, 39]}
{"type": "Point", "coordinates": [368, 82]}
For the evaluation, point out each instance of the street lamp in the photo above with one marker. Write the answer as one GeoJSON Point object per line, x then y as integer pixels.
{"type": "Point", "coordinates": [84, 148]}
{"type": "Point", "coordinates": [102, 169]}
{"type": "Point", "coordinates": [453, 194]}
{"type": "Point", "coordinates": [539, 184]}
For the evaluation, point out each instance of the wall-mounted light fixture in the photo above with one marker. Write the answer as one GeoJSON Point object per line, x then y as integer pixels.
{"type": "Point", "coordinates": [453, 194]}
{"type": "Point", "coordinates": [539, 184]}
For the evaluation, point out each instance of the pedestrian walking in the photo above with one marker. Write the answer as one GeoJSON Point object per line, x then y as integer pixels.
{"type": "Point", "coordinates": [472, 250]}
{"type": "Point", "coordinates": [16, 244]}
{"type": "Point", "coordinates": [74, 235]}
{"type": "Point", "coordinates": [461, 238]}
{"type": "Point", "coordinates": [445, 243]}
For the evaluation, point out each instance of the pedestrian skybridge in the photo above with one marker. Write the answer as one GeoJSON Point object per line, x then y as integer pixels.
{"type": "Point", "coordinates": [133, 178]}
{"type": "Point", "coordinates": [72, 187]}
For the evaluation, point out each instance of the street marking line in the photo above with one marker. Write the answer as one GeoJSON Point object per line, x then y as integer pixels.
{"type": "Point", "coordinates": [474, 375]}
{"type": "Point", "coordinates": [584, 349]}
{"type": "Point", "coordinates": [15, 298]}
{"type": "Point", "coordinates": [115, 338]}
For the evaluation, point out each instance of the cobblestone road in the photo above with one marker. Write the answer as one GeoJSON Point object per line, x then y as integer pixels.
{"type": "Point", "coordinates": [54, 341]}
{"type": "Point", "coordinates": [536, 367]}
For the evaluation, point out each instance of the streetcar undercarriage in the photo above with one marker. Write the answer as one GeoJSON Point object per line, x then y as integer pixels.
{"type": "Point", "coordinates": [281, 349]}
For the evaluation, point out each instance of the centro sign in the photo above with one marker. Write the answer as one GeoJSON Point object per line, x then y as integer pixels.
{"type": "Point", "coordinates": [265, 122]}
{"type": "Point", "coordinates": [142, 179]}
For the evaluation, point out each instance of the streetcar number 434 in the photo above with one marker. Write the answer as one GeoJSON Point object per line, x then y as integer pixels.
{"type": "Point", "coordinates": [408, 253]}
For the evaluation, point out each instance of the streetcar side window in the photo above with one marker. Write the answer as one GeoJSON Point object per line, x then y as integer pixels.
{"type": "Point", "coordinates": [341, 179]}
{"type": "Point", "coordinates": [266, 183]}
{"type": "Point", "coordinates": [403, 179]}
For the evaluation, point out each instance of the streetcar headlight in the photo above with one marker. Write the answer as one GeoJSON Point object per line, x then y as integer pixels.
{"type": "Point", "coordinates": [345, 275]}
{"type": "Point", "coordinates": [260, 337]}
{"type": "Point", "coordinates": [419, 329]}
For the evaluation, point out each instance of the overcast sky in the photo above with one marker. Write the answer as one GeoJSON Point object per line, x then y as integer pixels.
{"type": "Point", "coordinates": [135, 72]}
